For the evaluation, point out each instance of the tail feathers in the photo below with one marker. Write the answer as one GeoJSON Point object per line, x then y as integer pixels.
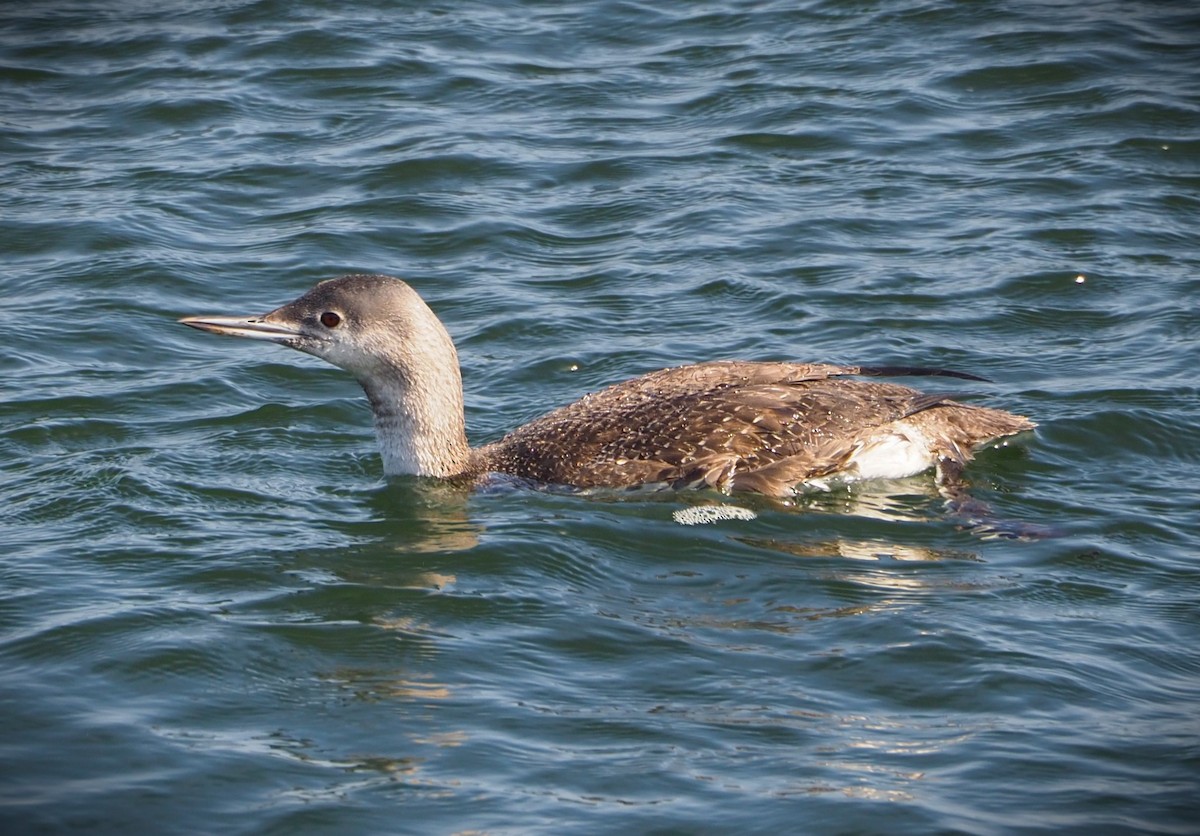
{"type": "Point", "coordinates": [981, 424]}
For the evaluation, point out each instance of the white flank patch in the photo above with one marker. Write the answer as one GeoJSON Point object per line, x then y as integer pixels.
{"type": "Point", "coordinates": [895, 455]}
{"type": "Point", "coordinates": [705, 514]}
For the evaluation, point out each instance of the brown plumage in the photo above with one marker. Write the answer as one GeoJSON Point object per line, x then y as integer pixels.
{"type": "Point", "coordinates": [764, 427]}
{"type": "Point", "coordinates": [733, 426]}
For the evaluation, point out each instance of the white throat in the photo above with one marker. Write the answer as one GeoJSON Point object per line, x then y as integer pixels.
{"type": "Point", "coordinates": [419, 425]}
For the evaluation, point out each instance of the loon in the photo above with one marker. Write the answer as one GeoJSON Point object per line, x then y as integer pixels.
{"type": "Point", "coordinates": [774, 428]}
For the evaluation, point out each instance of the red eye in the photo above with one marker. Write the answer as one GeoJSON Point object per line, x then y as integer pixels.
{"type": "Point", "coordinates": [330, 320]}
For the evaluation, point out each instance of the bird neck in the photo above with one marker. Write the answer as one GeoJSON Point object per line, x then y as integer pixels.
{"type": "Point", "coordinates": [417, 399]}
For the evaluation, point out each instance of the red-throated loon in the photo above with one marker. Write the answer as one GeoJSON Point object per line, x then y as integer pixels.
{"type": "Point", "coordinates": [770, 427]}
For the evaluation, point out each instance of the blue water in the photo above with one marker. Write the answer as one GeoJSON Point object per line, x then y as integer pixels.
{"type": "Point", "coordinates": [217, 616]}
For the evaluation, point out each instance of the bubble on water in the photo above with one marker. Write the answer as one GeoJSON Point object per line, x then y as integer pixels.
{"type": "Point", "coordinates": [704, 514]}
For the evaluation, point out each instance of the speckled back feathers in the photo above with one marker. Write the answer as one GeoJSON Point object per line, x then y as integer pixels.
{"type": "Point", "coordinates": [733, 426]}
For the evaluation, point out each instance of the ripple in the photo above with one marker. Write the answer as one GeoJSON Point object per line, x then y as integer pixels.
{"type": "Point", "coordinates": [217, 613]}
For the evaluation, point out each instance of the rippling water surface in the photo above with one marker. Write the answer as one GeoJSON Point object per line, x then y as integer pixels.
{"type": "Point", "coordinates": [215, 614]}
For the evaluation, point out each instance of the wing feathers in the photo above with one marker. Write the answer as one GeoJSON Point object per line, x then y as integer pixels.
{"type": "Point", "coordinates": [762, 427]}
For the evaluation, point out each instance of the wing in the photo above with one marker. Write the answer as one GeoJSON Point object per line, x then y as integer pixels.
{"type": "Point", "coordinates": [734, 426]}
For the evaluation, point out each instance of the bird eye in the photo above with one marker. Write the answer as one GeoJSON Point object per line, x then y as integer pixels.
{"type": "Point", "coordinates": [330, 320]}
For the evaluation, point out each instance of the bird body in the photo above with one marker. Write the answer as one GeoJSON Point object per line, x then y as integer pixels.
{"type": "Point", "coordinates": [768, 427]}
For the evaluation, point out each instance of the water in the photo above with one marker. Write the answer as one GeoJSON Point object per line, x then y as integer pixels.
{"type": "Point", "coordinates": [216, 616]}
